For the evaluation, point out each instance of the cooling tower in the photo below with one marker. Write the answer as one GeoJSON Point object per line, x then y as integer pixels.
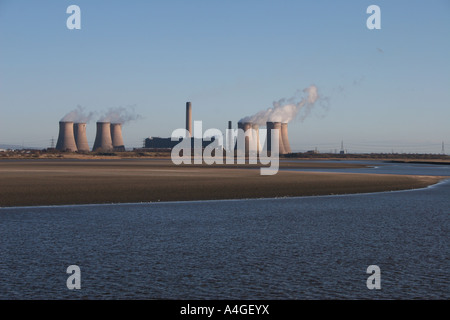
{"type": "Point", "coordinates": [116, 137]}
{"type": "Point", "coordinates": [277, 125]}
{"type": "Point", "coordinates": [103, 140]}
{"type": "Point", "coordinates": [256, 137]}
{"type": "Point", "coordinates": [270, 127]}
{"type": "Point", "coordinates": [189, 118]}
{"type": "Point", "coordinates": [79, 130]}
{"type": "Point", "coordinates": [249, 142]}
{"type": "Point", "coordinates": [66, 139]}
{"type": "Point", "coordinates": [240, 125]}
{"type": "Point", "coordinates": [284, 137]}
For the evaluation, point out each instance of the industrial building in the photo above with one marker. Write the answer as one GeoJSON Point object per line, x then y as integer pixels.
{"type": "Point", "coordinates": [72, 137]}
{"type": "Point", "coordinates": [252, 140]}
{"type": "Point", "coordinates": [158, 143]}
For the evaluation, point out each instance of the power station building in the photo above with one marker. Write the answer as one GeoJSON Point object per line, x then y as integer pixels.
{"type": "Point", "coordinates": [167, 143]}
{"type": "Point", "coordinates": [72, 137]}
{"type": "Point", "coordinates": [252, 143]}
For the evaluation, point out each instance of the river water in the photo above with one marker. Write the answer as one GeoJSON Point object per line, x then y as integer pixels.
{"type": "Point", "coordinates": [290, 248]}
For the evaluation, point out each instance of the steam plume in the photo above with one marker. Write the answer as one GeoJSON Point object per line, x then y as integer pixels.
{"type": "Point", "coordinates": [78, 115]}
{"type": "Point", "coordinates": [120, 115]}
{"type": "Point", "coordinates": [287, 109]}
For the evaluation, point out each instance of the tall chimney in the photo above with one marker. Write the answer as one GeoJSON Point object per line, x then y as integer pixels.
{"type": "Point", "coordinates": [270, 127]}
{"type": "Point", "coordinates": [189, 118]}
{"type": "Point", "coordinates": [66, 139]}
{"type": "Point", "coordinates": [79, 130]}
{"type": "Point", "coordinates": [116, 137]}
{"type": "Point", "coordinates": [284, 137]}
{"type": "Point", "coordinates": [103, 140]}
{"type": "Point", "coordinates": [230, 141]}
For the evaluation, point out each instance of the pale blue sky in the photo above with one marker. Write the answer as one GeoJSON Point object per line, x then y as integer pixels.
{"type": "Point", "coordinates": [386, 89]}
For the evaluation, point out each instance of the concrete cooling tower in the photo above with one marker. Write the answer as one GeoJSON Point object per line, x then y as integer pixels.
{"type": "Point", "coordinates": [103, 141]}
{"type": "Point", "coordinates": [270, 127]}
{"type": "Point", "coordinates": [277, 125]}
{"type": "Point", "coordinates": [116, 136]}
{"type": "Point", "coordinates": [66, 139]}
{"type": "Point", "coordinates": [79, 131]}
{"type": "Point", "coordinates": [284, 137]}
{"type": "Point", "coordinates": [248, 138]}
{"type": "Point", "coordinates": [256, 137]}
{"type": "Point", "coordinates": [240, 125]}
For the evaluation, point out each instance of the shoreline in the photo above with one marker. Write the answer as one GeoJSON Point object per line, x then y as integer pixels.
{"type": "Point", "coordinates": [166, 155]}
{"type": "Point", "coordinates": [46, 183]}
{"type": "Point", "coordinates": [444, 180]}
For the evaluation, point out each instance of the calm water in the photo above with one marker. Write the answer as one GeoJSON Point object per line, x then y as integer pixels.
{"type": "Point", "coordinates": [297, 248]}
{"type": "Point", "coordinates": [381, 167]}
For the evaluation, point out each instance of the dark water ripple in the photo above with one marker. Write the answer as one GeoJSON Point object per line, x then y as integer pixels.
{"type": "Point", "coordinates": [299, 248]}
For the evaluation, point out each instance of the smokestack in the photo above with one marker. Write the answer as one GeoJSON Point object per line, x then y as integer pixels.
{"type": "Point", "coordinates": [103, 140]}
{"type": "Point", "coordinates": [79, 130]}
{"type": "Point", "coordinates": [66, 139]}
{"type": "Point", "coordinates": [230, 142]}
{"type": "Point", "coordinates": [284, 137]}
{"type": "Point", "coordinates": [116, 136]}
{"type": "Point", "coordinates": [270, 127]}
{"type": "Point", "coordinates": [189, 118]}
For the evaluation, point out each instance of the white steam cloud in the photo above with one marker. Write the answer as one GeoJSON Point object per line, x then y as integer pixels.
{"type": "Point", "coordinates": [288, 109]}
{"type": "Point", "coordinates": [120, 115]}
{"type": "Point", "coordinates": [78, 115]}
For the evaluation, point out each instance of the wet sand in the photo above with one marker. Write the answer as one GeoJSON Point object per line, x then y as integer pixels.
{"type": "Point", "coordinates": [58, 182]}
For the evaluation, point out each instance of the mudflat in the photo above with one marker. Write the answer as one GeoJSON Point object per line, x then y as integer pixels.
{"type": "Point", "coordinates": [59, 182]}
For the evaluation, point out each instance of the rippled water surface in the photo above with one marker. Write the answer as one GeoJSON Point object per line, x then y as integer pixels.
{"type": "Point", "coordinates": [297, 248]}
{"type": "Point", "coordinates": [384, 167]}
